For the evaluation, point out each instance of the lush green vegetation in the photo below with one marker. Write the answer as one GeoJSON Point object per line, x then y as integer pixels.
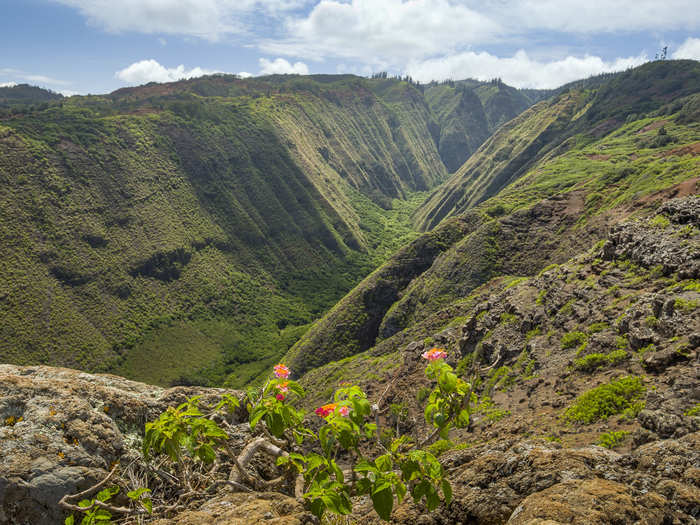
{"type": "Point", "coordinates": [612, 439]}
{"type": "Point", "coordinates": [192, 440]}
{"type": "Point", "coordinates": [204, 223]}
{"type": "Point", "coordinates": [582, 140]}
{"type": "Point", "coordinates": [597, 360]}
{"type": "Point", "coordinates": [616, 397]}
{"type": "Point", "coordinates": [535, 192]}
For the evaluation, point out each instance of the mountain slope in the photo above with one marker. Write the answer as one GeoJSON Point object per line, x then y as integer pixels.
{"type": "Point", "coordinates": [586, 113]}
{"type": "Point", "coordinates": [216, 210]}
{"type": "Point", "coordinates": [600, 350]}
{"type": "Point", "coordinates": [558, 197]}
{"type": "Point", "coordinates": [469, 111]}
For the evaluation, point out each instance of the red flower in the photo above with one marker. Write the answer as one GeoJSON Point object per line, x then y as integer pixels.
{"type": "Point", "coordinates": [326, 410]}
{"type": "Point", "coordinates": [279, 397]}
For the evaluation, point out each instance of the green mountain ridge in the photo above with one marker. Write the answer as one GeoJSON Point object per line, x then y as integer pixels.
{"type": "Point", "coordinates": [204, 223]}
{"type": "Point", "coordinates": [469, 111]}
{"type": "Point", "coordinates": [586, 110]}
{"type": "Point", "coordinates": [555, 187]}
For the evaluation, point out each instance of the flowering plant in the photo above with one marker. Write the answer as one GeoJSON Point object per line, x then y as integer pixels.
{"type": "Point", "coordinates": [401, 469]}
{"type": "Point", "coordinates": [197, 442]}
{"type": "Point", "coordinates": [272, 404]}
{"type": "Point", "coordinates": [450, 401]}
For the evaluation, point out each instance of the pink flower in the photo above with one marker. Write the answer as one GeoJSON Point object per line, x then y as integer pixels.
{"type": "Point", "coordinates": [279, 397]}
{"type": "Point", "coordinates": [434, 354]}
{"type": "Point", "coordinates": [281, 371]}
{"type": "Point", "coordinates": [343, 411]}
{"type": "Point", "coordinates": [283, 387]}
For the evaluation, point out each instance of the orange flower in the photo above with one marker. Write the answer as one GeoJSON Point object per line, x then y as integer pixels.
{"type": "Point", "coordinates": [434, 354]}
{"type": "Point", "coordinates": [326, 410]}
{"type": "Point", "coordinates": [283, 387]}
{"type": "Point", "coordinates": [281, 371]}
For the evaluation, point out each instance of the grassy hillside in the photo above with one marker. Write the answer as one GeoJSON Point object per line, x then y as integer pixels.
{"type": "Point", "coordinates": [581, 113]}
{"type": "Point", "coordinates": [555, 192]}
{"type": "Point", "coordinates": [200, 225]}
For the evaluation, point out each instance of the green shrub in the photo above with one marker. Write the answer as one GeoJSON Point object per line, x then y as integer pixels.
{"type": "Point", "coordinates": [423, 394]}
{"type": "Point", "coordinates": [612, 439]}
{"type": "Point", "coordinates": [597, 327]}
{"type": "Point", "coordinates": [540, 297]}
{"type": "Point", "coordinates": [532, 333]}
{"type": "Point", "coordinates": [606, 400]}
{"type": "Point", "coordinates": [693, 411]}
{"type": "Point", "coordinates": [488, 408]}
{"type": "Point", "coordinates": [660, 222]}
{"type": "Point", "coordinates": [573, 339]}
{"type": "Point", "coordinates": [692, 285]}
{"type": "Point", "coordinates": [651, 321]}
{"type": "Point", "coordinates": [598, 360]}
{"type": "Point", "coordinates": [508, 318]}
{"type": "Point", "coordinates": [440, 447]}
{"type": "Point", "coordinates": [590, 362]}
{"type": "Point", "coordinates": [686, 306]}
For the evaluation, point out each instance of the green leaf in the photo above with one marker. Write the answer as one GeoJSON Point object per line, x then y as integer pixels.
{"type": "Point", "coordinates": [338, 473]}
{"type": "Point", "coordinates": [400, 490]}
{"type": "Point", "coordinates": [107, 493]}
{"type": "Point", "coordinates": [364, 466]}
{"type": "Point", "coordinates": [318, 507]}
{"type": "Point", "coordinates": [420, 490]}
{"type": "Point", "coordinates": [255, 416]}
{"type": "Point", "coordinates": [384, 463]}
{"type": "Point", "coordinates": [447, 491]}
{"type": "Point", "coordinates": [383, 502]}
{"type": "Point", "coordinates": [381, 484]}
{"type": "Point", "coordinates": [148, 504]}
{"type": "Point", "coordinates": [432, 500]}
{"type": "Point", "coordinates": [448, 381]}
{"type": "Point", "coordinates": [344, 504]}
{"type": "Point", "coordinates": [135, 494]}
{"type": "Point", "coordinates": [70, 520]}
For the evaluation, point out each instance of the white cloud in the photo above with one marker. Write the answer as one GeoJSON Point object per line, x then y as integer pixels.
{"type": "Point", "coordinates": [43, 79]}
{"type": "Point", "coordinates": [280, 66]}
{"type": "Point", "coordinates": [391, 32]}
{"type": "Point", "coordinates": [519, 70]}
{"type": "Point", "coordinates": [688, 49]}
{"type": "Point", "coordinates": [381, 31]}
{"type": "Point", "coordinates": [245, 74]}
{"type": "Point", "coordinates": [207, 19]}
{"type": "Point", "coordinates": [7, 84]}
{"type": "Point", "coordinates": [146, 71]}
{"type": "Point", "coordinates": [69, 93]}
{"type": "Point", "coordinates": [32, 78]}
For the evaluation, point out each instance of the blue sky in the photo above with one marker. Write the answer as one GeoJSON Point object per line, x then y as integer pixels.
{"type": "Point", "coordinates": [97, 46]}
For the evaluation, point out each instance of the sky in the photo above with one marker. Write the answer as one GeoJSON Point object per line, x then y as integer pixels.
{"type": "Point", "coordinates": [97, 46]}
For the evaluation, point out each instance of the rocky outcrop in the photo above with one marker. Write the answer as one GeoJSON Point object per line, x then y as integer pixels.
{"type": "Point", "coordinates": [537, 482]}
{"type": "Point", "coordinates": [271, 508]}
{"type": "Point", "coordinates": [629, 307]}
{"type": "Point", "coordinates": [653, 247]}
{"type": "Point", "coordinates": [61, 430]}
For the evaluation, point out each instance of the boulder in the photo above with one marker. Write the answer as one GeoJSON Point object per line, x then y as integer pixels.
{"type": "Point", "coordinates": [61, 430]}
